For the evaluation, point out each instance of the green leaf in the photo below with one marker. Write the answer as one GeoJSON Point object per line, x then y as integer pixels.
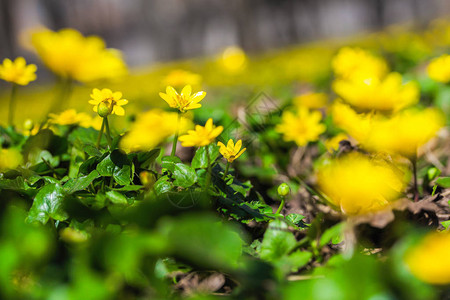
{"type": "Point", "coordinates": [185, 176]}
{"type": "Point", "coordinates": [17, 184]}
{"type": "Point", "coordinates": [200, 159]}
{"type": "Point", "coordinates": [147, 158]}
{"type": "Point", "coordinates": [162, 185]}
{"type": "Point", "coordinates": [116, 197]}
{"type": "Point", "coordinates": [204, 240]}
{"type": "Point", "coordinates": [333, 234]}
{"type": "Point", "coordinates": [169, 162]}
{"type": "Point", "coordinates": [298, 259]}
{"type": "Point", "coordinates": [277, 241]}
{"type": "Point", "coordinates": [445, 224]}
{"type": "Point", "coordinates": [443, 182]}
{"type": "Point", "coordinates": [48, 203]}
{"type": "Point", "coordinates": [118, 166]}
{"type": "Point", "coordinates": [80, 183]}
{"type": "Point", "coordinates": [91, 150]}
{"type": "Point", "coordinates": [106, 166]}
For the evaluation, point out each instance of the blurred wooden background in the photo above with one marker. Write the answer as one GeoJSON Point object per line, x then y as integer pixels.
{"type": "Point", "coordinates": [160, 30]}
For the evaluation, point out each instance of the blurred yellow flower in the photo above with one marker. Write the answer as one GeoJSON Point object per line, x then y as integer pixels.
{"type": "Point", "coordinates": [69, 54]}
{"type": "Point", "coordinates": [358, 185]}
{"type": "Point", "coordinates": [301, 127]}
{"type": "Point", "coordinates": [429, 260]}
{"type": "Point", "coordinates": [311, 100]}
{"type": "Point", "coordinates": [233, 59]}
{"type": "Point", "coordinates": [332, 144]}
{"type": "Point", "coordinates": [387, 94]}
{"type": "Point", "coordinates": [439, 68]}
{"type": "Point", "coordinates": [356, 125]}
{"type": "Point", "coordinates": [180, 78]}
{"type": "Point", "coordinates": [18, 71]}
{"type": "Point", "coordinates": [71, 117]}
{"type": "Point", "coordinates": [231, 151]}
{"type": "Point", "coordinates": [106, 102]}
{"type": "Point", "coordinates": [404, 132]}
{"type": "Point", "coordinates": [201, 136]}
{"type": "Point", "coordinates": [10, 159]}
{"type": "Point", "coordinates": [358, 63]}
{"type": "Point", "coordinates": [184, 101]}
{"type": "Point", "coordinates": [151, 129]}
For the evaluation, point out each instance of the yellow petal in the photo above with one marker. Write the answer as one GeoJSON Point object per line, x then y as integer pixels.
{"type": "Point", "coordinates": [240, 153]}
{"type": "Point", "coordinates": [230, 145]}
{"type": "Point", "coordinates": [186, 92]}
{"type": "Point", "coordinates": [197, 97]}
{"type": "Point", "coordinates": [238, 145]}
{"type": "Point", "coordinates": [117, 95]}
{"type": "Point", "coordinates": [118, 110]}
{"type": "Point", "coordinates": [171, 92]}
{"type": "Point", "coordinates": [122, 102]}
{"type": "Point", "coordinates": [168, 99]}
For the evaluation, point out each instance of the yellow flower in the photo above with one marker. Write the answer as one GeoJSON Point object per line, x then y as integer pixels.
{"type": "Point", "coordinates": [201, 136]}
{"type": "Point", "coordinates": [332, 144]}
{"type": "Point", "coordinates": [302, 127]}
{"type": "Point", "coordinates": [404, 132]}
{"type": "Point", "coordinates": [233, 59]}
{"type": "Point", "coordinates": [311, 100]}
{"type": "Point", "coordinates": [358, 185]}
{"type": "Point", "coordinates": [18, 71]}
{"type": "Point", "coordinates": [231, 151]}
{"type": "Point", "coordinates": [106, 102]}
{"type": "Point", "coordinates": [429, 260]}
{"type": "Point", "coordinates": [71, 117]}
{"type": "Point", "coordinates": [184, 101]}
{"type": "Point", "coordinates": [387, 94]}
{"type": "Point", "coordinates": [439, 68]}
{"type": "Point", "coordinates": [179, 78]}
{"type": "Point", "coordinates": [357, 63]}
{"type": "Point", "coordinates": [69, 54]}
{"type": "Point", "coordinates": [151, 129]}
{"type": "Point", "coordinates": [356, 125]}
{"type": "Point", "coordinates": [10, 159]}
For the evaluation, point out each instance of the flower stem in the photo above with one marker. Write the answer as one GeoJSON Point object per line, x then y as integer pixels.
{"type": "Point", "coordinates": [175, 138]}
{"type": "Point", "coordinates": [226, 170]}
{"type": "Point", "coordinates": [108, 132]}
{"type": "Point", "coordinates": [280, 208]}
{"type": "Point", "coordinates": [100, 133]}
{"type": "Point", "coordinates": [12, 104]}
{"type": "Point", "coordinates": [208, 174]}
{"type": "Point", "coordinates": [415, 187]}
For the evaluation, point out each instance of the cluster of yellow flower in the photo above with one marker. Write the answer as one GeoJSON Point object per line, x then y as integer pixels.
{"type": "Point", "coordinates": [71, 55]}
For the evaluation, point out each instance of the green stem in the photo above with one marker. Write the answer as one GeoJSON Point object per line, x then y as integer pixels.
{"type": "Point", "coordinates": [280, 208]}
{"type": "Point", "coordinates": [175, 138]}
{"type": "Point", "coordinates": [208, 174]}
{"type": "Point", "coordinates": [415, 186]}
{"type": "Point", "coordinates": [226, 170]}
{"type": "Point", "coordinates": [108, 132]}
{"type": "Point", "coordinates": [12, 104]}
{"type": "Point", "coordinates": [100, 133]}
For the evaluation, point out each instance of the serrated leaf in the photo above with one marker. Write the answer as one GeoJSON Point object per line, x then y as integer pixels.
{"type": "Point", "coordinates": [277, 241]}
{"type": "Point", "coordinates": [169, 162]}
{"type": "Point", "coordinates": [200, 159]}
{"type": "Point", "coordinates": [295, 218]}
{"type": "Point", "coordinates": [48, 203]}
{"type": "Point", "coordinates": [184, 175]}
{"type": "Point", "coordinates": [443, 182]}
{"type": "Point", "coordinates": [80, 183]}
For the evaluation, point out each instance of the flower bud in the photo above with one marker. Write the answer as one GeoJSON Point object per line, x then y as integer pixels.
{"type": "Point", "coordinates": [104, 109]}
{"type": "Point", "coordinates": [28, 124]}
{"type": "Point", "coordinates": [283, 189]}
{"type": "Point", "coordinates": [148, 179]}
